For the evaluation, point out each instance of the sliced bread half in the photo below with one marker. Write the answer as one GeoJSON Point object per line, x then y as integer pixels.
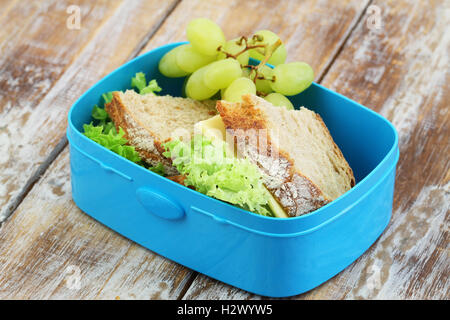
{"type": "Point", "coordinates": [304, 168]}
{"type": "Point", "coordinates": [149, 120]}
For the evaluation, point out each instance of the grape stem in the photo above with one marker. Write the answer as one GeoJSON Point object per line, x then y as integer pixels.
{"type": "Point", "coordinates": [268, 51]}
{"type": "Point", "coordinates": [247, 47]}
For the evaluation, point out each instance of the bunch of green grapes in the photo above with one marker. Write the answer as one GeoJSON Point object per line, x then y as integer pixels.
{"type": "Point", "coordinates": [215, 66]}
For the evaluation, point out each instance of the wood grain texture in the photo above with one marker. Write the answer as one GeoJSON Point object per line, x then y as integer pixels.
{"type": "Point", "coordinates": [36, 47]}
{"type": "Point", "coordinates": [48, 67]}
{"type": "Point", "coordinates": [62, 236]}
{"type": "Point", "coordinates": [400, 70]}
{"type": "Point", "coordinates": [49, 240]}
{"type": "Point", "coordinates": [312, 30]}
{"type": "Point", "coordinates": [15, 16]}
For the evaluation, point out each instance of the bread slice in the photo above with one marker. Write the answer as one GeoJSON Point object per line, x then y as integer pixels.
{"type": "Point", "coordinates": [149, 120]}
{"type": "Point", "coordinates": [304, 168]}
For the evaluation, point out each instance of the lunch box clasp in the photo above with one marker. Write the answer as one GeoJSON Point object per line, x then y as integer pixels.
{"type": "Point", "coordinates": [159, 205]}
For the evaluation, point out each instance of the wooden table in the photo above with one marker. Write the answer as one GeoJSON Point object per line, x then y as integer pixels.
{"type": "Point", "coordinates": [389, 55]}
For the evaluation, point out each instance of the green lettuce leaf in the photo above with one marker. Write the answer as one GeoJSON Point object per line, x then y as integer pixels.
{"type": "Point", "coordinates": [210, 172]}
{"type": "Point", "coordinates": [111, 140]}
{"type": "Point", "coordinates": [100, 116]}
{"type": "Point", "coordinates": [140, 83]}
{"type": "Point", "coordinates": [105, 134]}
{"type": "Point", "coordinates": [159, 169]}
{"type": "Point", "coordinates": [107, 97]}
{"type": "Point", "coordinates": [152, 87]}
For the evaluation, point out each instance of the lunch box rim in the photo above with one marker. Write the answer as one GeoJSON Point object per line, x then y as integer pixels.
{"type": "Point", "coordinates": [390, 156]}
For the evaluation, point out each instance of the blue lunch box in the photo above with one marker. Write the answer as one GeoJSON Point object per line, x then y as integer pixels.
{"type": "Point", "coordinates": [263, 255]}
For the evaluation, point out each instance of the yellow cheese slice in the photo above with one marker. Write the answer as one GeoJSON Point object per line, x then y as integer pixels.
{"type": "Point", "coordinates": [214, 129]}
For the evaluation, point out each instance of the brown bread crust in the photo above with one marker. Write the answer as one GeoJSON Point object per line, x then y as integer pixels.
{"type": "Point", "coordinates": [296, 193]}
{"type": "Point", "coordinates": [136, 133]}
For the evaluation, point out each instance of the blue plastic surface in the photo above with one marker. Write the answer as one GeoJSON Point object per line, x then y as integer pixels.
{"type": "Point", "coordinates": [267, 256]}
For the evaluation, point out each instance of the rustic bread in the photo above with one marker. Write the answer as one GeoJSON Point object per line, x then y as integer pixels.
{"type": "Point", "coordinates": [304, 168]}
{"type": "Point", "coordinates": [149, 120]}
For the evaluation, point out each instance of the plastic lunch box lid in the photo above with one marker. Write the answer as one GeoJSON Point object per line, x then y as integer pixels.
{"type": "Point", "coordinates": [268, 226]}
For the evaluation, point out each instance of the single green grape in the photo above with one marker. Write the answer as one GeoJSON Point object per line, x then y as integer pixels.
{"type": "Point", "coordinates": [205, 36]}
{"type": "Point", "coordinates": [264, 85]}
{"type": "Point", "coordinates": [238, 88]}
{"type": "Point", "coordinates": [168, 64]}
{"type": "Point", "coordinates": [221, 73]}
{"type": "Point", "coordinates": [269, 38]}
{"type": "Point", "coordinates": [278, 100]}
{"type": "Point", "coordinates": [233, 48]}
{"type": "Point", "coordinates": [292, 78]}
{"type": "Point", "coordinates": [196, 88]}
{"type": "Point", "coordinates": [190, 60]}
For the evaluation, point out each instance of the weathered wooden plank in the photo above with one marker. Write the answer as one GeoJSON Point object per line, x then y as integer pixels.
{"type": "Point", "coordinates": [56, 252]}
{"type": "Point", "coordinates": [6, 7]}
{"type": "Point", "coordinates": [130, 25]}
{"type": "Point", "coordinates": [404, 66]}
{"type": "Point", "coordinates": [41, 46]}
{"type": "Point", "coordinates": [305, 26]}
{"type": "Point", "coordinates": [38, 86]}
{"type": "Point", "coordinates": [400, 70]}
{"type": "Point", "coordinates": [36, 48]}
{"type": "Point", "coordinates": [117, 280]}
{"type": "Point", "coordinates": [15, 16]}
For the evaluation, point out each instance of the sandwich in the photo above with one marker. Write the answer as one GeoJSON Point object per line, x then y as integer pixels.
{"type": "Point", "coordinates": [152, 124]}
{"type": "Point", "coordinates": [263, 158]}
